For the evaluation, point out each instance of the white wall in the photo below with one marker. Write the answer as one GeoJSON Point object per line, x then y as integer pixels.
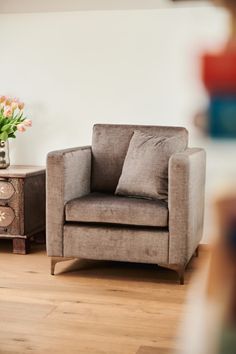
{"type": "Point", "coordinates": [80, 68]}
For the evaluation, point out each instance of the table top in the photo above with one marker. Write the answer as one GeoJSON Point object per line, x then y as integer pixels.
{"type": "Point", "coordinates": [21, 171]}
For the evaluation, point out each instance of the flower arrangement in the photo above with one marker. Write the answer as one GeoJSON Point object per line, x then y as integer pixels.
{"type": "Point", "coordinates": [12, 118]}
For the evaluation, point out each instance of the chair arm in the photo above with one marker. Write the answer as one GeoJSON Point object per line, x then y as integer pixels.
{"type": "Point", "coordinates": [187, 172]}
{"type": "Point", "coordinates": [68, 177]}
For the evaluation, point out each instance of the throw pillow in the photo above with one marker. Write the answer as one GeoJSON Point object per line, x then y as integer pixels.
{"type": "Point", "coordinates": [145, 169]}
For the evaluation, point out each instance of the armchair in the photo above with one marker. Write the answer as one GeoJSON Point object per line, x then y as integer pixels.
{"type": "Point", "coordinates": [86, 220]}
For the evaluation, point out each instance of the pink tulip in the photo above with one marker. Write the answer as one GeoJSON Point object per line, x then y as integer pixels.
{"type": "Point", "coordinates": [2, 99]}
{"type": "Point", "coordinates": [28, 122]}
{"type": "Point", "coordinates": [21, 105]}
{"type": "Point", "coordinates": [21, 128]}
{"type": "Point", "coordinates": [8, 112]}
{"type": "Point", "coordinates": [14, 105]}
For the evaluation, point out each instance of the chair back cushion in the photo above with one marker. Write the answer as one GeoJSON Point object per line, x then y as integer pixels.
{"type": "Point", "coordinates": [109, 147]}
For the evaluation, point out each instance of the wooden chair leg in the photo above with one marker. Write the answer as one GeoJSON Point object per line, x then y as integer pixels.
{"type": "Point", "coordinates": [181, 271]}
{"type": "Point", "coordinates": [197, 252]}
{"type": "Point", "coordinates": [178, 268]}
{"type": "Point", "coordinates": [55, 260]}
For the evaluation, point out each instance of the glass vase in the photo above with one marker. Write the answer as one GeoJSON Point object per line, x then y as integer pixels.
{"type": "Point", "coordinates": [4, 154]}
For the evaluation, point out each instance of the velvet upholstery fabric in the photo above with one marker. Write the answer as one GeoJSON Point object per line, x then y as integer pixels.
{"type": "Point", "coordinates": [68, 177]}
{"type": "Point", "coordinates": [109, 147]}
{"type": "Point", "coordinates": [186, 203]}
{"type": "Point", "coordinates": [117, 243]}
{"type": "Point", "coordinates": [107, 208]}
{"type": "Point", "coordinates": [145, 169]}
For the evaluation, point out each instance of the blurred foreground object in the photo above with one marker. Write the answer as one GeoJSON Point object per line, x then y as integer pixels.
{"type": "Point", "coordinates": [231, 6]}
{"type": "Point", "coordinates": [222, 275]}
{"type": "Point", "coordinates": [219, 78]}
{"type": "Point", "coordinates": [210, 322]}
{"type": "Point", "coordinates": [219, 72]}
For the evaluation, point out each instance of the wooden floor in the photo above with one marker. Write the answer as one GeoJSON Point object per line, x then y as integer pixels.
{"type": "Point", "coordinates": [105, 307]}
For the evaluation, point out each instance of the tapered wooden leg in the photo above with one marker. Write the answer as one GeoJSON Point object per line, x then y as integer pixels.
{"type": "Point", "coordinates": [197, 252]}
{"type": "Point", "coordinates": [180, 272]}
{"type": "Point", "coordinates": [21, 245]}
{"type": "Point", "coordinates": [55, 260]}
{"type": "Point", "coordinates": [178, 268]}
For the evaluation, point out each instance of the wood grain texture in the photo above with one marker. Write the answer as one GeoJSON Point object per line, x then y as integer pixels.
{"type": "Point", "coordinates": [21, 245]}
{"type": "Point", "coordinates": [104, 307]}
{"type": "Point", "coordinates": [6, 190]}
{"type": "Point", "coordinates": [21, 171]}
{"type": "Point", "coordinates": [34, 203]}
{"type": "Point", "coordinates": [22, 204]}
{"type": "Point", "coordinates": [16, 203]}
{"type": "Point", "coordinates": [153, 350]}
{"type": "Point", "coordinates": [7, 216]}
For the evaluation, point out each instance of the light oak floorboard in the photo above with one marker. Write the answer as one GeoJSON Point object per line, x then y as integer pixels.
{"type": "Point", "coordinates": [87, 307]}
{"type": "Point", "coordinates": [152, 350]}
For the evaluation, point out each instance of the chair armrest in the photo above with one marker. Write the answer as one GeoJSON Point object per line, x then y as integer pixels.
{"type": "Point", "coordinates": [187, 172]}
{"type": "Point", "coordinates": [68, 177]}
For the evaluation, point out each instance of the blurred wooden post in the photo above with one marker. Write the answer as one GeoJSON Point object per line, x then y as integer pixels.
{"type": "Point", "coordinates": [233, 26]}
{"type": "Point", "coordinates": [231, 6]}
{"type": "Point", "coordinates": [221, 269]}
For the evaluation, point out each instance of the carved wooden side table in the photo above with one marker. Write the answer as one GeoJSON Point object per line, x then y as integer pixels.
{"type": "Point", "coordinates": [22, 205]}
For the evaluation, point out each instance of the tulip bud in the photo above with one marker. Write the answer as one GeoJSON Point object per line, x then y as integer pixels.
{"type": "Point", "coordinates": [14, 105]}
{"type": "Point", "coordinates": [8, 102]}
{"type": "Point", "coordinates": [8, 112]}
{"type": "Point", "coordinates": [28, 122]}
{"type": "Point", "coordinates": [21, 128]}
{"type": "Point", "coordinates": [21, 105]}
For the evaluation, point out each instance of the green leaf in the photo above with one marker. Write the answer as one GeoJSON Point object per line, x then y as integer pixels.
{"type": "Point", "coordinates": [12, 135]}
{"type": "Point", "coordinates": [4, 136]}
{"type": "Point", "coordinates": [6, 127]}
{"type": "Point", "coordinates": [20, 117]}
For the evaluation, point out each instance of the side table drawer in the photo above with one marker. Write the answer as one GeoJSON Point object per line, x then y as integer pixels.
{"type": "Point", "coordinates": [7, 216]}
{"type": "Point", "coordinates": [22, 205]}
{"type": "Point", "coordinates": [11, 206]}
{"type": "Point", "coordinates": [6, 190]}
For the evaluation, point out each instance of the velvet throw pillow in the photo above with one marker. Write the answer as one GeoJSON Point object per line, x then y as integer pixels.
{"type": "Point", "coordinates": [145, 169]}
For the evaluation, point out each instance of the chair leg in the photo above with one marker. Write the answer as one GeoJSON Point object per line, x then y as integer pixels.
{"type": "Point", "coordinates": [55, 260]}
{"type": "Point", "coordinates": [196, 254]}
{"type": "Point", "coordinates": [178, 268]}
{"type": "Point", "coordinates": [181, 271]}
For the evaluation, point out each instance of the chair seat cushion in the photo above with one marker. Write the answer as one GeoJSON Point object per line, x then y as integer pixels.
{"type": "Point", "coordinates": [108, 208]}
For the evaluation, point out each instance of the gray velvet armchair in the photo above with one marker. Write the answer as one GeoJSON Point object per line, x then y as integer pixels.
{"type": "Point", "coordinates": [86, 220]}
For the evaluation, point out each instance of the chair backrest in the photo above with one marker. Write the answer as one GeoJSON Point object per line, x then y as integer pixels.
{"type": "Point", "coordinates": [109, 147]}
